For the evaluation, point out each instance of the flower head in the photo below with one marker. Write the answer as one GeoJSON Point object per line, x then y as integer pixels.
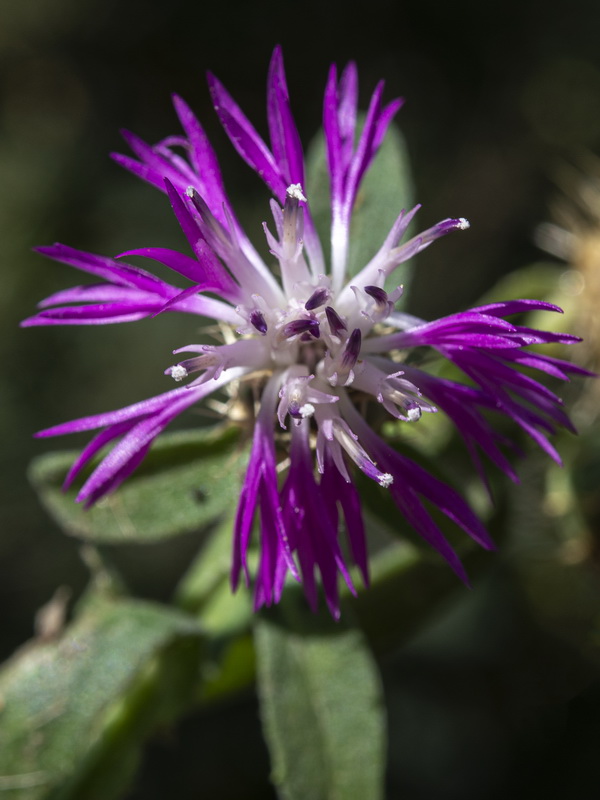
{"type": "Point", "coordinates": [312, 340]}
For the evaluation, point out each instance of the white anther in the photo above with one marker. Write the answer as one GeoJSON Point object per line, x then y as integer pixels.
{"type": "Point", "coordinates": [295, 190]}
{"type": "Point", "coordinates": [178, 373]}
{"type": "Point", "coordinates": [307, 410]}
{"type": "Point", "coordinates": [385, 479]}
{"type": "Point", "coordinates": [463, 224]}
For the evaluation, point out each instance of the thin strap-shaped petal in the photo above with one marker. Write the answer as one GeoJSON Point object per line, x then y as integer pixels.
{"type": "Point", "coordinates": [285, 141]}
{"type": "Point", "coordinates": [140, 409]}
{"type": "Point", "coordinates": [347, 110]}
{"type": "Point", "coordinates": [116, 272]}
{"type": "Point", "coordinates": [97, 443]}
{"type": "Point", "coordinates": [95, 293]}
{"type": "Point", "coordinates": [158, 165]}
{"type": "Point", "coordinates": [115, 480]}
{"type": "Point", "coordinates": [205, 269]}
{"type": "Point", "coordinates": [204, 160]}
{"type": "Point", "coordinates": [365, 149]}
{"type": "Point", "coordinates": [385, 118]}
{"type": "Point", "coordinates": [337, 490]}
{"type": "Point", "coordinates": [141, 435]}
{"type": "Point", "coordinates": [287, 150]}
{"type": "Point", "coordinates": [233, 247]}
{"type": "Point", "coordinates": [94, 314]}
{"type": "Point", "coordinates": [245, 139]}
{"type": "Point", "coordinates": [508, 307]}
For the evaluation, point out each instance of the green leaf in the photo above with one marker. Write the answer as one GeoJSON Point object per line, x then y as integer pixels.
{"type": "Point", "coordinates": [553, 517]}
{"type": "Point", "coordinates": [75, 710]}
{"type": "Point", "coordinates": [536, 281]}
{"type": "Point", "coordinates": [321, 705]}
{"type": "Point", "coordinates": [205, 589]}
{"type": "Point", "coordinates": [187, 481]}
{"type": "Point", "coordinates": [385, 190]}
{"type": "Point", "coordinates": [225, 616]}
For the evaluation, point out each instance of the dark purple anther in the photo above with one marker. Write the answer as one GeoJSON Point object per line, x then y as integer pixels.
{"type": "Point", "coordinates": [299, 326]}
{"type": "Point", "coordinates": [257, 319]}
{"type": "Point", "coordinates": [317, 298]}
{"type": "Point", "coordinates": [352, 350]}
{"type": "Point", "coordinates": [379, 295]}
{"type": "Point", "coordinates": [336, 323]}
{"type": "Point", "coordinates": [294, 410]}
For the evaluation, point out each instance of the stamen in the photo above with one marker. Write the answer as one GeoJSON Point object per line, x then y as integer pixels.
{"type": "Point", "coordinates": [257, 319]}
{"type": "Point", "coordinates": [298, 411]}
{"type": "Point", "coordinates": [299, 326]}
{"type": "Point", "coordinates": [413, 413]}
{"type": "Point", "coordinates": [177, 372]}
{"type": "Point", "coordinates": [379, 295]}
{"type": "Point", "coordinates": [352, 349]}
{"type": "Point", "coordinates": [298, 398]}
{"type": "Point", "coordinates": [336, 323]}
{"type": "Point", "coordinates": [317, 298]}
{"type": "Point", "coordinates": [349, 441]}
{"type": "Point", "coordinates": [295, 190]}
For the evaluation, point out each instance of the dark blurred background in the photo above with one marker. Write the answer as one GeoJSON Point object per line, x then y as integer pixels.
{"type": "Point", "coordinates": [498, 95]}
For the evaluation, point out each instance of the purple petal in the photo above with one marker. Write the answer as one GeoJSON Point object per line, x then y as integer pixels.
{"type": "Point", "coordinates": [336, 490]}
{"type": "Point", "coordinates": [110, 270]}
{"type": "Point", "coordinates": [95, 293]}
{"type": "Point", "coordinates": [204, 160]}
{"type": "Point", "coordinates": [97, 443]}
{"type": "Point", "coordinates": [260, 489]}
{"type": "Point", "coordinates": [188, 224]}
{"type": "Point", "coordinates": [177, 299]}
{"type": "Point", "coordinates": [207, 271]}
{"type": "Point", "coordinates": [385, 118]}
{"type": "Point", "coordinates": [152, 405]}
{"type": "Point", "coordinates": [509, 307]}
{"type": "Point", "coordinates": [155, 166]}
{"type": "Point", "coordinates": [311, 526]}
{"type": "Point", "coordinates": [365, 150]}
{"type": "Point", "coordinates": [94, 314]}
{"type": "Point", "coordinates": [285, 141]}
{"type": "Point", "coordinates": [130, 450]}
{"type": "Point", "coordinates": [113, 482]}
{"type": "Point", "coordinates": [142, 171]}
{"type": "Point", "coordinates": [245, 139]}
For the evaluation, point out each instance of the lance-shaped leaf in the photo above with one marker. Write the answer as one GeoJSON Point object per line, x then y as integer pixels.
{"type": "Point", "coordinates": [75, 710]}
{"type": "Point", "coordinates": [321, 705]}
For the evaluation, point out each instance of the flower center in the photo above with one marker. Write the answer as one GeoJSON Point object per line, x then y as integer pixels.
{"type": "Point", "coordinates": [311, 338]}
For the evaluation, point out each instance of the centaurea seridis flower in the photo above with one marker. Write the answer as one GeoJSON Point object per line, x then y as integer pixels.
{"type": "Point", "coordinates": [309, 342]}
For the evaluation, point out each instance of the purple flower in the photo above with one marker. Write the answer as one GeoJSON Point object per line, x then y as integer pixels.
{"type": "Point", "coordinates": [312, 341]}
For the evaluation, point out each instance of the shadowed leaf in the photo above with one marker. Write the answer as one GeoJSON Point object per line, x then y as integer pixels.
{"type": "Point", "coordinates": [187, 481]}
